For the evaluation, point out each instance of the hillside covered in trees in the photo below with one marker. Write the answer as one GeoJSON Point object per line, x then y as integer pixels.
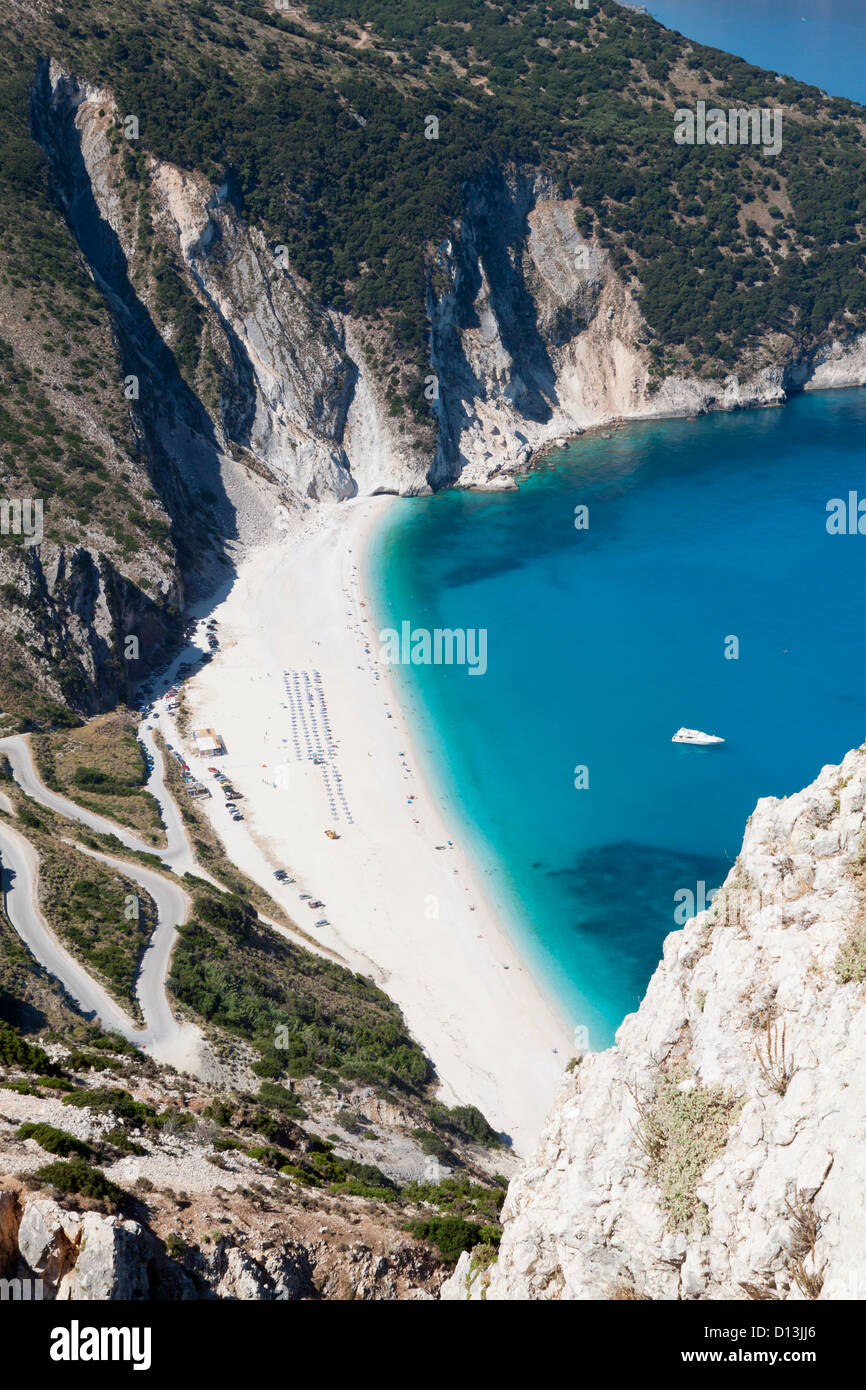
{"type": "Point", "coordinates": [319, 120]}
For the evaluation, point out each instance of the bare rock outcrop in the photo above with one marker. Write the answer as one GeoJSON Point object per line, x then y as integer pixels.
{"type": "Point", "coordinates": [111, 1261]}
{"type": "Point", "coordinates": [10, 1220]}
{"type": "Point", "coordinates": [48, 1240]}
{"type": "Point", "coordinates": [718, 1151]}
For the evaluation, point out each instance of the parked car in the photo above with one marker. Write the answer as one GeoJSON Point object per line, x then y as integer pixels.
{"type": "Point", "coordinates": [316, 902]}
{"type": "Point", "coordinates": [304, 896]}
{"type": "Point", "coordinates": [323, 922]}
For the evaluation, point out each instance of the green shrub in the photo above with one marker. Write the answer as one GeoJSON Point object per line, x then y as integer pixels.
{"type": "Point", "coordinates": [112, 1101]}
{"type": "Point", "coordinates": [83, 1061]}
{"type": "Point", "coordinates": [56, 1141]}
{"type": "Point", "coordinates": [352, 1187]}
{"type": "Point", "coordinates": [452, 1235]}
{"type": "Point", "coordinates": [79, 1178]}
{"type": "Point", "coordinates": [279, 1098]}
{"type": "Point", "coordinates": [120, 1140]}
{"type": "Point", "coordinates": [16, 1052]}
{"type": "Point", "coordinates": [466, 1121]}
{"type": "Point", "coordinates": [431, 1143]}
{"type": "Point", "coordinates": [459, 1196]}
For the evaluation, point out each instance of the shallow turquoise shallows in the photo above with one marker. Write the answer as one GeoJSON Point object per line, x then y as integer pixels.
{"type": "Point", "coordinates": [602, 642]}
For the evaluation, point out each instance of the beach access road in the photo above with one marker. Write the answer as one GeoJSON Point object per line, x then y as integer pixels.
{"type": "Point", "coordinates": [168, 1040]}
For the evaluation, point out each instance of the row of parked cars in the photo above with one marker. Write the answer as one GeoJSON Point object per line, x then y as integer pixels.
{"type": "Point", "coordinates": [283, 876]}
{"type": "Point", "coordinates": [314, 903]}
{"type": "Point", "coordinates": [148, 756]}
{"type": "Point", "coordinates": [229, 793]}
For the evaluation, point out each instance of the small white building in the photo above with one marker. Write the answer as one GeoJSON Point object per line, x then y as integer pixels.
{"type": "Point", "coordinates": [208, 743]}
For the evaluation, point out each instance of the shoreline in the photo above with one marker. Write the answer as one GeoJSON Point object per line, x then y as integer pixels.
{"type": "Point", "coordinates": [415, 918]}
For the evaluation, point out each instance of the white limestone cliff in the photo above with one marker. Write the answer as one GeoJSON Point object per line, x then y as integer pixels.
{"type": "Point", "coordinates": [534, 337]}
{"type": "Point", "coordinates": [718, 1150]}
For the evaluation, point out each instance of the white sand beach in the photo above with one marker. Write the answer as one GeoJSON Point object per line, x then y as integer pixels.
{"type": "Point", "coordinates": [297, 674]}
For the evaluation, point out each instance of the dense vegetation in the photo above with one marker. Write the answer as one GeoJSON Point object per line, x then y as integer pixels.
{"type": "Point", "coordinates": [322, 140]}
{"type": "Point", "coordinates": [78, 1178]}
{"type": "Point", "coordinates": [56, 1141]}
{"type": "Point", "coordinates": [306, 1015]}
{"type": "Point", "coordinates": [453, 1234]}
{"type": "Point", "coordinates": [91, 908]}
{"type": "Point", "coordinates": [15, 1051]}
{"type": "Point", "coordinates": [66, 433]}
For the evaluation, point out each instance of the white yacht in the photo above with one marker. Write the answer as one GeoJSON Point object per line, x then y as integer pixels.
{"type": "Point", "coordinates": [695, 736]}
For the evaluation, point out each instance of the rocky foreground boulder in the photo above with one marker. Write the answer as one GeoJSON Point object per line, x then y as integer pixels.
{"type": "Point", "coordinates": [54, 1252]}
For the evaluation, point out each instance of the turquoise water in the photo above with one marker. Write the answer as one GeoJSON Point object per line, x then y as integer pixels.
{"type": "Point", "coordinates": [601, 643]}
{"type": "Point", "coordinates": [823, 42]}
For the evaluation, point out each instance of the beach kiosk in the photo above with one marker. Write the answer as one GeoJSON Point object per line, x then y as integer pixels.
{"type": "Point", "coordinates": [208, 743]}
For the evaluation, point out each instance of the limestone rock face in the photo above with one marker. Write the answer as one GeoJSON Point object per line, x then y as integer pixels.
{"type": "Point", "coordinates": [111, 1262]}
{"type": "Point", "coordinates": [48, 1239]}
{"type": "Point", "coordinates": [534, 336]}
{"type": "Point", "coordinates": [10, 1219]}
{"type": "Point", "coordinates": [281, 1274]}
{"type": "Point", "coordinates": [718, 1150]}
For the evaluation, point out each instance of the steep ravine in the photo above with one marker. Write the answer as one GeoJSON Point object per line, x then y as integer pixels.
{"type": "Point", "coordinates": [718, 1150]}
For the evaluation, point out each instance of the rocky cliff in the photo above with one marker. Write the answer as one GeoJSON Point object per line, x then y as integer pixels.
{"type": "Point", "coordinates": [534, 336]}
{"type": "Point", "coordinates": [57, 1252]}
{"type": "Point", "coordinates": [717, 1150]}
{"type": "Point", "coordinates": [214, 391]}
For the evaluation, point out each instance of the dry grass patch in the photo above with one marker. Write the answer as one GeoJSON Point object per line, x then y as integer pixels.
{"type": "Point", "coordinates": [100, 766]}
{"type": "Point", "coordinates": [681, 1132]}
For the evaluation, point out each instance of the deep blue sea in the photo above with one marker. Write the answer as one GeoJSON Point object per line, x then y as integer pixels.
{"type": "Point", "coordinates": [818, 41]}
{"type": "Point", "coordinates": [602, 642]}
